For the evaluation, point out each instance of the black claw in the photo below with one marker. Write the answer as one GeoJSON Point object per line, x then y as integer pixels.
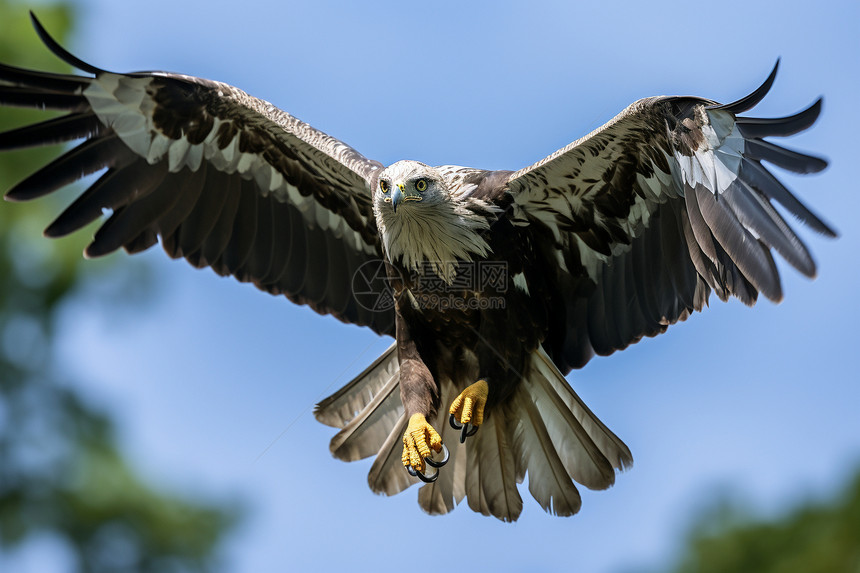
{"type": "Point", "coordinates": [432, 463]}
{"type": "Point", "coordinates": [426, 479]}
{"type": "Point", "coordinates": [436, 464]}
{"type": "Point", "coordinates": [468, 429]}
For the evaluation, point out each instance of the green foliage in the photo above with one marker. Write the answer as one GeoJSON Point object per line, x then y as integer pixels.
{"type": "Point", "coordinates": [816, 538]}
{"type": "Point", "coordinates": [60, 468]}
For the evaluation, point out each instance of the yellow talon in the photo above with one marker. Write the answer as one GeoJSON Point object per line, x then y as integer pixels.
{"type": "Point", "coordinates": [469, 405]}
{"type": "Point", "coordinates": [418, 439]}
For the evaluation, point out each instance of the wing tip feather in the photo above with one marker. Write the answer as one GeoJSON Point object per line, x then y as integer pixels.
{"type": "Point", "coordinates": [13, 196]}
{"type": "Point", "coordinates": [749, 101]}
{"type": "Point", "coordinates": [60, 51]}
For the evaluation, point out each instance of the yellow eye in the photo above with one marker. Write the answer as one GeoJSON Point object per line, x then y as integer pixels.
{"type": "Point", "coordinates": [421, 185]}
{"type": "Point", "coordinates": [383, 184]}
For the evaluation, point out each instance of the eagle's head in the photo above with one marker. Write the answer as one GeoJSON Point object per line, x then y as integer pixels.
{"type": "Point", "coordinates": [426, 224]}
{"type": "Point", "coordinates": [408, 185]}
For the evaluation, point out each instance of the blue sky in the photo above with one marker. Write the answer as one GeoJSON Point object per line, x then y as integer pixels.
{"type": "Point", "coordinates": [214, 382]}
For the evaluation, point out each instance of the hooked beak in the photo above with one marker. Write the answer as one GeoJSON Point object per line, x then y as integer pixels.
{"type": "Point", "coordinates": [396, 196]}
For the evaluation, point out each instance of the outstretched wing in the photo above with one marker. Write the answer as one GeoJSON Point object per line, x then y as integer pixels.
{"type": "Point", "coordinates": [637, 222]}
{"type": "Point", "coordinates": [224, 179]}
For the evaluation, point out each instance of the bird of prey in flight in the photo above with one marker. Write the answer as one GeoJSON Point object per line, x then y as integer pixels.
{"type": "Point", "coordinates": [494, 284]}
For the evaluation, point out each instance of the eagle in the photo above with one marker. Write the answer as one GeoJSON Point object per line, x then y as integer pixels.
{"type": "Point", "coordinates": [494, 284]}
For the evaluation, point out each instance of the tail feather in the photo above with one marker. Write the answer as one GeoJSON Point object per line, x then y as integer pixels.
{"type": "Point", "coordinates": [364, 435]}
{"type": "Point", "coordinates": [492, 459]}
{"type": "Point", "coordinates": [608, 443]}
{"type": "Point", "coordinates": [582, 458]}
{"type": "Point", "coordinates": [387, 474]}
{"type": "Point", "coordinates": [370, 414]}
{"type": "Point", "coordinates": [472, 483]}
{"type": "Point", "coordinates": [544, 430]}
{"type": "Point", "coordinates": [549, 482]}
{"type": "Point", "coordinates": [345, 404]}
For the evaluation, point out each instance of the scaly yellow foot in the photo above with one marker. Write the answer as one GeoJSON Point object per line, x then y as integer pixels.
{"type": "Point", "coordinates": [419, 438]}
{"type": "Point", "coordinates": [469, 406]}
{"type": "Point", "coordinates": [470, 403]}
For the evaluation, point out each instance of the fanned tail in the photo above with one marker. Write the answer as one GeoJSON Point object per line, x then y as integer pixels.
{"type": "Point", "coordinates": [544, 430]}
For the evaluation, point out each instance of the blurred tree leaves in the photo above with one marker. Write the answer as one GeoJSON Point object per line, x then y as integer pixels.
{"type": "Point", "coordinates": [818, 537]}
{"type": "Point", "coordinates": [61, 472]}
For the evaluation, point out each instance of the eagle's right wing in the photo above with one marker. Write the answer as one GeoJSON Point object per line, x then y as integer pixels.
{"type": "Point", "coordinates": [633, 225]}
{"type": "Point", "coordinates": [224, 179]}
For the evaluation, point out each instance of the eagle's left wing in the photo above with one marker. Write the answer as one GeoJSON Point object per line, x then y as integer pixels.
{"type": "Point", "coordinates": [222, 178]}
{"type": "Point", "coordinates": [633, 225]}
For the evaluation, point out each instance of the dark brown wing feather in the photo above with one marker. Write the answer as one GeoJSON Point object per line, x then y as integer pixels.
{"type": "Point", "coordinates": [224, 179]}
{"type": "Point", "coordinates": [640, 220]}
